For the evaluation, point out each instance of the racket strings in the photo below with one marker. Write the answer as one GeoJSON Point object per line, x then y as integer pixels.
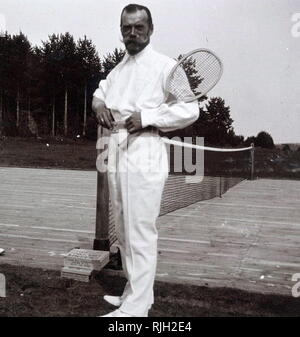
{"type": "Point", "coordinates": [209, 70]}
{"type": "Point", "coordinates": [195, 76]}
{"type": "Point", "coordinates": [179, 85]}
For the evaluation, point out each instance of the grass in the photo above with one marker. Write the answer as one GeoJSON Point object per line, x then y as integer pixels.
{"type": "Point", "coordinates": [48, 152]}
{"type": "Point", "coordinates": [33, 292]}
{"type": "Point", "coordinates": [81, 154]}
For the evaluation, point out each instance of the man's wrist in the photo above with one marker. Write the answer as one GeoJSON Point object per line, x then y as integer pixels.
{"type": "Point", "coordinates": [149, 117]}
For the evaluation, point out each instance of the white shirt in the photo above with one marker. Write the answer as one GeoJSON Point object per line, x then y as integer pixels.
{"type": "Point", "coordinates": [138, 83]}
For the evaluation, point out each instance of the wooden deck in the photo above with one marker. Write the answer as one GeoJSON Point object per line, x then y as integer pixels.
{"type": "Point", "coordinates": [248, 239]}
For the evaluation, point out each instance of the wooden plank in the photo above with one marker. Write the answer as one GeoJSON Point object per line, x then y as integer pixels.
{"type": "Point", "coordinates": [252, 231]}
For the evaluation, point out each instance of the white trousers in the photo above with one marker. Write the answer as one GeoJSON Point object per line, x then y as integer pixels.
{"type": "Point", "coordinates": [136, 176]}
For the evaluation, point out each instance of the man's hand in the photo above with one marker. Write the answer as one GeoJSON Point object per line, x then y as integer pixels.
{"type": "Point", "coordinates": [105, 118]}
{"type": "Point", "coordinates": [134, 122]}
{"type": "Point", "coordinates": [103, 114]}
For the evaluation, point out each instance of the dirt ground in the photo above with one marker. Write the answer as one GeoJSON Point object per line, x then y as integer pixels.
{"type": "Point", "coordinates": [34, 292]}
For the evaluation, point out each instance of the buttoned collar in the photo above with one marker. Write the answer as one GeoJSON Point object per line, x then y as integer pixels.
{"type": "Point", "coordinates": [141, 57]}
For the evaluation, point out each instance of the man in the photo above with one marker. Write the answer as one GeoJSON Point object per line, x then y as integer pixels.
{"type": "Point", "coordinates": [134, 93]}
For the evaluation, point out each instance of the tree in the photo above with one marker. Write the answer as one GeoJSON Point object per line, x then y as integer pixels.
{"type": "Point", "coordinates": [250, 140]}
{"type": "Point", "coordinates": [67, 69]}
{"type": "Point", "coordinates": [32, 89]}
{"type": "Point", "coordinates": [60, 77]}
{"type": "Point", "coordinates": [265, 140]}
{"type": "Point", "coordinates": [4, 55]}
{"type": "Point", "coordinates": [233, 139]}
{"type": "Point", "coordinates": [51, 58]}
{"type": "Point", "coordinates": [286, 148]}
{"type": "Point", "coordinates": [19, 62]}
{"type": "Point", "coordinates": [14, 53]}
{"type": "Point", "coordinates": [111, 60]}
{"type": "Point", "coordinates": [214, 122]}
{"type": "Point", "coordinates": [47, 82]}
{"type": "Point", "coordinates": [89, 68]}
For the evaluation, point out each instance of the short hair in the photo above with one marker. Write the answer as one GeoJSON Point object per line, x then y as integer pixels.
{"type": "Point", "coordinates": [132, 8]}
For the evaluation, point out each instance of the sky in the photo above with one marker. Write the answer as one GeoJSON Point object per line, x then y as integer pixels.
{"type": "Point", "coordinates": [258, 42]}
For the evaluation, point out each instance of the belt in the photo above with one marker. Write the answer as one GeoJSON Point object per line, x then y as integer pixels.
{"type": "Point", "coordinates": [121, 126]}
{"type": "Point", "coordinates": [150, 129]}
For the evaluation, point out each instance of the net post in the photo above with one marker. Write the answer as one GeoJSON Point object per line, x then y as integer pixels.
{"type": "Point", "coordinates": [101, 240]}
{"type": "Point", "coordinates": [252, 162]}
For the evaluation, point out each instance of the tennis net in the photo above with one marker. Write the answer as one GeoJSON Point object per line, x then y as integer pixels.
{"type": "Point", "coordinates": [222, 169]}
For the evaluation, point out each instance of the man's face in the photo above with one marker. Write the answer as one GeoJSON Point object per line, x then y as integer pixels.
{"type": "Point", "coordinates": [135, 31]}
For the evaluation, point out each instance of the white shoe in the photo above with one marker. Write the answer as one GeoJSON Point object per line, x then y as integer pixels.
{"type": "Point", "coordinates": [114, 300]}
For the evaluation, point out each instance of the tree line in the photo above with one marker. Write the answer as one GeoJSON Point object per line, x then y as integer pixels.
{"type": "Point", "coordinates": [47, 91]}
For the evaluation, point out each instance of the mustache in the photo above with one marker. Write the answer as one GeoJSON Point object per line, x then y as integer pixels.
{"type": "Point", "coordinates": [131, 41]}
{"type": "Point", "coordinates": [125, 41]}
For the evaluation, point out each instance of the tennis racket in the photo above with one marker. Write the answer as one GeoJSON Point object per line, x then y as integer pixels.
{"type": "Point", "coordinates": [193, 76]}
